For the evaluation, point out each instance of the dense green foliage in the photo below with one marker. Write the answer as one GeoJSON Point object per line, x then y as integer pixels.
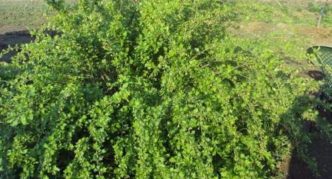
{"type": "Point", "coordinates": [146, 89]}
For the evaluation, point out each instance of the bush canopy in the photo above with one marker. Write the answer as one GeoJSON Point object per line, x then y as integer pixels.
{"type": "Point", "coordinates": [144, 89]}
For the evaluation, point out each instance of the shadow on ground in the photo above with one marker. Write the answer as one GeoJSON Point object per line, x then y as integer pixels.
{"type": "Point", "coordinates": [11, 39]}
{"type": "Point", "coordinates": [320, 148]}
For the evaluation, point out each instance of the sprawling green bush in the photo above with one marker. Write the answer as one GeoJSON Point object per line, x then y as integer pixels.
{"type": "Point", "coordinates": [146, 89]}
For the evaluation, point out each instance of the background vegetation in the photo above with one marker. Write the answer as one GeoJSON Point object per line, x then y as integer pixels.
{"type": "Point", "coordinates": [19, 14]}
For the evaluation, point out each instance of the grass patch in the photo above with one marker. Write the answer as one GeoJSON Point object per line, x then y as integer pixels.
{"type": "Point", "coordinates": [22, 14]}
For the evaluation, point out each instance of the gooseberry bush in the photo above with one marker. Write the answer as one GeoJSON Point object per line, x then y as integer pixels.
{"type": "Point", "coordinates": [145, 89]}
